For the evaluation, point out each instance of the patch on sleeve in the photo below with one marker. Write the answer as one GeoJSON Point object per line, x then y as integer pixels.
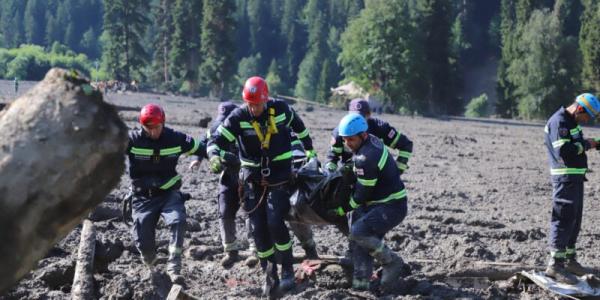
{"type": "Point", "coordinates": [563, 132]}
{"type": "Point", "coordinates": [360, 158]}
{"type": "Point", "coordinates": [392, 134]}
{"type": "Point", "coordinates": [188, 138]}
{"type": "Point", "coordinates": [359, 171]}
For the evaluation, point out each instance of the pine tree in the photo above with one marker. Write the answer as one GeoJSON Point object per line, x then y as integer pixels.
{"type": "Point", "coordinates": [217, 44]}
{"type": "Point", "coordinates": [161, 64]}
{"type": "Point", "coordinates": [35, 21]}
{"type": "Point", "coordinates": [186, 42]}
{"type": "Point", "coordinates": [589, 39]}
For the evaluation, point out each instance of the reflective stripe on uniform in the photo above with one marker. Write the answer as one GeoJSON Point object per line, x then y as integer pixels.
{"type": "Point", "coordinates": [265, 254]}
{"type": "Point", "coordinates": [245, 125]}
{"type": "Point", "coordinates": [171, 182]}
{"type": "Point", "coordinates": [174, 250]}
{"type": "Point", "coordinates": [382, 159]}
{"type": "Point", "coordinates": [570, 251]}
{"type": "Point", "coordinates": [337, 150]}
{"type": "Point", "coordinates": [367, 182]}
{"type": "Point", "coordinates": [248, 163]}
{"type": "Point", "coordinates": [170, 151]}
{"type": "Point", "coordinates": [558, 254]}
{"type": "Point", "coordinates": [353, 203]}
{"type": "Point", "coordinates": [296, 142]}
{"type": "Point", "coordinates": [568, 171]}
{"type": "Point", "coordinates": [284, 156]}
{"type": "Point", "coordinates": [404, 154]}
{"type": "Point", "coordinates": [290, 121]}
{"type": "Point", "coordinates": [303, 134]}
{"type": "Point", "coordinates": [393, 144]}
{"type": "Point", "coordinates": [196, 146]}
{"type": "Point", "coordinates": [395, 196]}
{"type": "Point", "coordinates": [142, 151]}
{"type": "Point", "coordinates": [212, 148]}
{"type": "Point", "coordinates": [226, 133]}
{"type": "Point", "coordinates": [580, 148]}
{"type": "Point", "coordinates": [575, 130]}
{"type": "Point", "coordinates": [284, 247]}
{"type": "Point", "coordinates": [280, 118]}
{"type": "Point", "coordinates": [559, 143]}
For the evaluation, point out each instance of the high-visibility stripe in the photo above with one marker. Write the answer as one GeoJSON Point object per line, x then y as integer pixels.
{"type": "Point", "coordinates": [284, 247]}
{"type": "Point", "coordinates": [337, 150]}
{"type": "Point", "coordinates": [174, 250]}
{"type": "Point", "coordinates": [248, 163]}
{"type": "Point", "coordinates": [393, 144]}
{"type": "Point", "coordinates": [559, 143]}
{"type": "Point", "coordinates": [580, 148]}
{"type": "Point", "coordinates": [142, 151]}
{"type": "Point", "coordinates": [401, 166]}
{"type": "Point", "coordinates": [558, 254]}
{"type": "Point", "coordinates": [575, 130]}
{"type": "Point", "coordinates": [404, 154]}
{"type": "Point", "coordinates": [382, 159]}
{"type": "Point", "coordinates": [208, 134]}
{"type": "Point", "coordinates": [546, 129]}
{"type": "Point", "coordinates": [265, 254]}
{"type": "Point", "coordinates": [171, 182]}
{"type": "Point", "coordinates": [296, 142]}
{"type": "Point", "coordinates": [212, 148]}
{"type": "Point", "coordinates": [280, 118]}
{"type": "Point", "coordinates": [568, 171]}
{"type": "Point", "coordinates": [353, 203]}
{"type": "Point", "coordinates": [395, 196]}
{"type": "Point", "coordinates": [283, 156]}
{"type": "Point", "coordinates": [195, 148]}
{"type": "Point", "coordinates": [226, 133]}
{"type": "Point", "coordinates": [570, 251]}
{"type": "Point", "coordinates": [245, 125]}
{"type": "Point", "coordinates": [291, 118]}
{"type": "Point", "coordinates": [303, 134]}
{"type": "Point", "coordinates": [367, 182]}
{"type": "Point", "coordinates": [169, 151]}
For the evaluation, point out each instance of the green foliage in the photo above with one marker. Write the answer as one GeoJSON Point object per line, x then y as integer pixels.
{"type": "Point", "coordinates": [589, 39]}
{"type": "Point", "coordinates": [274, 80]}
{"type": "Point", "coordinates": [478, 107]}
{"type": "Point", "coordinates": [30, 62]}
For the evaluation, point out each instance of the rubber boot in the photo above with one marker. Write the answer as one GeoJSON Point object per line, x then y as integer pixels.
{"type": "Point", "coordinates": [252, 259]}
{"type": "Point", "coordinates": [305, 235]}
{"type": "Point", "coordinates": [360, 284]}
{"type": "Point", "coordinates": [573, 266]}
{"type": "Point", "coordinates": [392, 266]}
{"type": "Point", "coordinates": [174, 269]}
{"type": "Point", "coordinates": [288, 281]}
{"type": "Point", "coordinates": [556, 269]}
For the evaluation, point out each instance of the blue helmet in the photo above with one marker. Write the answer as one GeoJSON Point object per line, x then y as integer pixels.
{"type": "Point", "coordinates": [352, 124]}
{"type": "Point", "coordinates": [590, 103]}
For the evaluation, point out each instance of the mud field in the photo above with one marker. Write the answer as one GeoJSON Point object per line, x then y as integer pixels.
{"type": "Point", "coordinates": [479, 208]}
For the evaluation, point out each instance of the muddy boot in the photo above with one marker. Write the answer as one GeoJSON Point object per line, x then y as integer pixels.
{"type": "Point", "coordinates": [573, 266]}
{"type": "Point", "coordinates": [287, 283]}
{"type": "Point", "coordinates": [360, 284]}
{"type": "Point", "coordinates": [310, 250]}
{"type": "Point", "coordinates": [252, 259]}
{"type": "Point", "coordinates": [392, 267]}
{"type": "Point", "coordinates": [149, 260]}
{"type": "Point", "coordinates": [556, 269]}
{"type": "Point", "coordinates": [230, 258]}
{"type": "Point", "coordinates": [271, 284]}
{"type": "Point", "coordinates": [174, 267]}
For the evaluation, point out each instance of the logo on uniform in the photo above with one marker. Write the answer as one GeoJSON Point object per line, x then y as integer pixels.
{"type": "Point", "coordinates": [188, 138]}
{"type": "Point", "coordinates": [563, 132]}
{"type": "Point", "coordinates": [392, 133]}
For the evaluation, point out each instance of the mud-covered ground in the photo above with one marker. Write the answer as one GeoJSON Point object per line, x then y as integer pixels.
{"type": "Point", "coordinates": [479, 205]}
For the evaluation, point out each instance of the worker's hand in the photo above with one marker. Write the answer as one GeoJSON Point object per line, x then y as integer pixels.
{"type": "Point", "coordinates": [194, 165]}
{"type": "Point", "coordinates": [231, 160]}
{"type": "Point", "coordinates": [402, 166]}
{"type": "Point", "coordinates": [336, 212]}
{"type": "Point", "coordinates": [330, 167]}
{"type": "Point", "coordinates": [216, 164]}
{"type": "Point", "coordinates": [593, 143]}
{"type": "Point", "coordinates": [311, 154]}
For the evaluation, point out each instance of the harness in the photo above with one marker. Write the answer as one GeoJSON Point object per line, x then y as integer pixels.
{"type": "Point", "coordinates": [265, 141]}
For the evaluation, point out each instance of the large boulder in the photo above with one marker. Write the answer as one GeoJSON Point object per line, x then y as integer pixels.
{"type": "Point", "coordinates": [61, 152]}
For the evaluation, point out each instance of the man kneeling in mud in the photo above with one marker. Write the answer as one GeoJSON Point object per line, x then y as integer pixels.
{"type": "Point", "coordinates": [378, 202]}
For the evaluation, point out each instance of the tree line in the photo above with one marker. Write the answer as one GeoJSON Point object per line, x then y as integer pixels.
{"type": "Point", "coordinates": [418, 56]}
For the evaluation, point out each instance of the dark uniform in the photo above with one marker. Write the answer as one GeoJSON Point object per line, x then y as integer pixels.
{"type": "Point", "coordinates": [568, 165]}
{"type": "Point", "coordinates": [379, 202]}
{"type": "Point", "coordinates": [266, 157]}
{"type": "Point", "coordinates": [381, 129]}
{"type": "Point", "coordinates": [229, 200]}
{"type": "Point", "coordinates": [155, 186]}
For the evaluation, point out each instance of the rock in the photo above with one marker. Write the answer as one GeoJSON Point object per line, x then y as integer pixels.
{"type": "Point", "coordinates": [202, 252]}
{"type": "Point", "coordinates": [58, 274]}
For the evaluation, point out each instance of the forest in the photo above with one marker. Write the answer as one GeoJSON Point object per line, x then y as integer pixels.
{"type": "Point", "coordinates": [506, 58]}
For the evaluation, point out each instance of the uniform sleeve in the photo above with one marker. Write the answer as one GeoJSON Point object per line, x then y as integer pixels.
{"type": "Point", "coordinates": [225, 135]}
{"type": "Point", "coordinates": [296, 124]}
{"type": "Point", "coordinates": [367, 172]}
{"type": "Point", "coordinates": [562, 145]}
{"type": "Point", "coordinates": [192, 146]}
{"type": "Point", "coordinates": [396, 140]}
{"type": "Point", "coordinates": [336, 147]}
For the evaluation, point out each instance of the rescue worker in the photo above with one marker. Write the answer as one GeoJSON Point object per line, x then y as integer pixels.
{"type": "Point", "coordinates": [390, 136]}
{"type": "Point", "coordinates": [153, 153]}
{"type": "Point", "coordinates": [378, 203]}
{"type": "Point", "coordinates": [568, 164]}
{"type": "Point", "coordinates": [261, 128]}
{"type": "Point", "coordinates": [229, 200]}
{"type": "Point", "coordinates": [16, 84]}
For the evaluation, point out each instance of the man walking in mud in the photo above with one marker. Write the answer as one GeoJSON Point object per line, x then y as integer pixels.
{"type": "Point", "coordinates": [390, 136]}
{"type": "Point", "coordinates": [568, 165]}
{"type": "Point", "coordinates": [261, 127]}
{"type": "Point", "coordinates": [378, 203]}
{"type": "Point", "coordinates": [153, 153]}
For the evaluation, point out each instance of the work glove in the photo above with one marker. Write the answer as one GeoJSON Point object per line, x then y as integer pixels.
{"type": "Point", "coordinates": [310, 154]}
{"type": "Point", "coordinates": [335, 213]}
{"type": "Point", "coordinates": [330, 167]}
{"type": "Point", "coordinates": [216, 164]}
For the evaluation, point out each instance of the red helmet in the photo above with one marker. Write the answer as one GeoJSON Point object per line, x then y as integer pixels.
{"type": "Point", "coordinates": [255, 90]}
{"type": "Point", "coordinates": [152, 114]}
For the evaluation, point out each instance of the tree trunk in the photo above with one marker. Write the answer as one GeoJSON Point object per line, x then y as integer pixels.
{"type": "Point", "coordinates": [83, 282]}
{"type": "Point", "coordinates": [61, 152]}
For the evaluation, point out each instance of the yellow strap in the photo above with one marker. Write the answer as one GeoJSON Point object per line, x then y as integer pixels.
{"type": "Point", "coordinates": [265, 139]}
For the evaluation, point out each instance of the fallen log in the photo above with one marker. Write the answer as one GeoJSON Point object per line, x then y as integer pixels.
{"type": "Point", "coordinates": [61, 152]}
{"type": "Point", "coordinates": [83, 281]}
